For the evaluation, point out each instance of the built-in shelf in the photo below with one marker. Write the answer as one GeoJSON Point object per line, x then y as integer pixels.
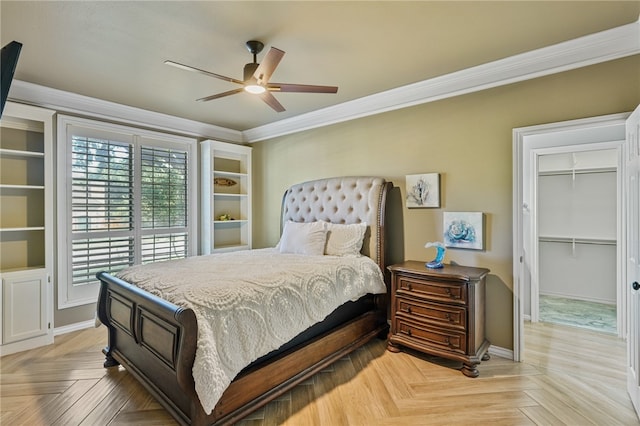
{"type": "Point", "coordinates": [233, 162]}
{"type": "Point", "coordinates": [224, 194]}
{"type": "Point", "coordinates": [5, 186]}
{"type": "Point", "coordinates": [28, 228]}
{"type": "Point", "coordinates": [231, 247]}
{"type": "Point", "coordinates": [26, 251]}
{"type": "Point", "coordinates": [229, 174]}
{"type": "Point", "coordinates": [230, 222]}
{"type": "Point", "coordinates": [20, 153]}
{"type": "Point", "coordinates": [26, 268]}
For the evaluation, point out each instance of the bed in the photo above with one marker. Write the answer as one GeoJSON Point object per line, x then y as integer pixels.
{"type": "Point", "coordinates": [157, 340]}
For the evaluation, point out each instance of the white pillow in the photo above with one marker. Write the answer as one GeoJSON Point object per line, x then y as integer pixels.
{"type": "Point", "coordinates": [303, 238]}
{"type": "Point", "coordinates": [345, 240]}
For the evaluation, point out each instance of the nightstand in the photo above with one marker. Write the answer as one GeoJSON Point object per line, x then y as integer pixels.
{"type": "Point", "coordinates": [439, 312]}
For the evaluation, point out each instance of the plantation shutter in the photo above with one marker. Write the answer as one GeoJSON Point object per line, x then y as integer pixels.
{"type": "Point", "coordinates": [164, 204]}
{"type": "Point", "coordinates": [102, 216]}
{"type": "Point", "coordinates": [124, 199]}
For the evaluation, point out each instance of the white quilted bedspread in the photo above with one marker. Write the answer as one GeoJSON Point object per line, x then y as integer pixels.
{"type": "Point", "coordinates": [249, 303]}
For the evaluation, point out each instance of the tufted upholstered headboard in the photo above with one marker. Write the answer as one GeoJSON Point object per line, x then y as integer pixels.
{"type": "Point", "coordinates": [345, 200]}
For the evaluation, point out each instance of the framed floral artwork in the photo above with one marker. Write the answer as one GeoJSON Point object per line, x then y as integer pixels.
{"type": "Point", "coordinates": [464, 230]}
{"type": "Point", "coordinates": [423, 190]}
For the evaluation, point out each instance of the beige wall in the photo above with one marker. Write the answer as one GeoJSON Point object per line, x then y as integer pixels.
{"type": "Point", "coordinates": [468, 140]}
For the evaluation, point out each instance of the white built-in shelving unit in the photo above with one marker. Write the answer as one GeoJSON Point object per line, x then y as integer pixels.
{"type": "Point", "coordinates": [226, 197]}
{"type": "Point", "coordinates": [26, 233]}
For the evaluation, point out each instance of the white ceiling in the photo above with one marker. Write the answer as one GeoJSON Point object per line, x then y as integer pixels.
{"type": "Point", "coordinates": [115, 50]}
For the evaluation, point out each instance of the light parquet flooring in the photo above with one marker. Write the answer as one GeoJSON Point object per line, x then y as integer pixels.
{"type": "Point", "coordinates": [569, 377]}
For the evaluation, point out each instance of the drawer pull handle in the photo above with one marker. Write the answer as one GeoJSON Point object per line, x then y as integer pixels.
{"type": "Point", "coordinates": [448, 317]}
{"type": "Point", "coordinates": [450, 294]}
{"type": "Point", "coordinates": [406, 309]}
{"type": "Point", "coordinates": [406, 331]}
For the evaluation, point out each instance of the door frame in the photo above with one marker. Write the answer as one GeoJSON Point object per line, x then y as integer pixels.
{"type": "Point", "coordinates": [528, 144]}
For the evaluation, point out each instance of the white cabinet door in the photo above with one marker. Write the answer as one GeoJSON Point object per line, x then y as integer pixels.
{"type": "Point", "coordinates": [633, 256]}
{"type": "Point", "coordinates": [25, 305]}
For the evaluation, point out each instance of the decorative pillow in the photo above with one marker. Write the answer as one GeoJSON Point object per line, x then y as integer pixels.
{"type": "Point", "coordinates": [345, 240]}
{"type": "Point", "coordinates": [303, 238]}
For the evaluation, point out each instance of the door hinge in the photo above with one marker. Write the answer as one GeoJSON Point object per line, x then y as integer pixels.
{"type": "Point", "coordinates": [49, 326]}
{"type": "Point", "coordinates": [521, 259]}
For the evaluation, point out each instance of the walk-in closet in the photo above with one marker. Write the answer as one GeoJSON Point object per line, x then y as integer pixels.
{"type": "Point", "coordinates": [577, 230]}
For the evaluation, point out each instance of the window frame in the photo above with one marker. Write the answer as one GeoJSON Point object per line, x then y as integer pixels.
{"type": "Point", "coordinates": [67, 126]}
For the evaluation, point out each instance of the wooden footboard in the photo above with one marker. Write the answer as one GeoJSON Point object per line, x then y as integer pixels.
{"type": "Point", "coordinates": [153, 339]}
{"type": "Point", "coordinates": [156, 342]}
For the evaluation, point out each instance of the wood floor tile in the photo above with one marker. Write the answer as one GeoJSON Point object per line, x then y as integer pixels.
{"type": "Point", "coordinates": [568, 378]}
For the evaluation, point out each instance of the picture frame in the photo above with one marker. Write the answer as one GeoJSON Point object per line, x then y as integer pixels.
{"type": "Point", "coordinates": [463, 230]}
{"type": "Point", "coordinates": [423, 190]}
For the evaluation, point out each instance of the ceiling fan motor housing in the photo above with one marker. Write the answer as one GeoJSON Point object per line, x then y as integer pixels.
{"type": "Point", "coordinates": [254, 46]}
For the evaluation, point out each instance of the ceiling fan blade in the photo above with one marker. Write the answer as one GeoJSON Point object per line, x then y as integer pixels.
{"type": "Point", "coordinates": [271, 101]}
{"type": "Point", "coordinates": [210, 74]}
{"type": "Point", "coordinates": [221, 95]}
{"type": "Point", "coordinates": [268, 65]}
{"type": "Point", "coordinates": [301, 88]}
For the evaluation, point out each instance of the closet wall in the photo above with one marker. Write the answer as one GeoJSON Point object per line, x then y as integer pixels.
{"type": "Point", "coordinates": [577, 196]}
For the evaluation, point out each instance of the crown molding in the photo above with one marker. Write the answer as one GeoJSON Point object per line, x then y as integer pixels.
{"type": "Point", "coordinates": [592, 49]}
{"type": "Point", "coordinates": [61, 101]}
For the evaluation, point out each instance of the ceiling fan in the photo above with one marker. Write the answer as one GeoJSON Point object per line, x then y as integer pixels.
{"type": "Point", "coordinates": [256, 78]}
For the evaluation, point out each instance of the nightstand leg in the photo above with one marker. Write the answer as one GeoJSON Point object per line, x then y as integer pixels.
{"type": "Point", "coordinates": [486, 356]}
{"type": "Point", "coordinates": [392, 347]}
{"type": "Point", "coordinates": [470, 370]}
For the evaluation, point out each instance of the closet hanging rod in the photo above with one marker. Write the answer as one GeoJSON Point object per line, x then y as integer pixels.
{"type": "Point", "coordinates": [577, 171]}
{"type": "Point", "coordinates": [569, 240]}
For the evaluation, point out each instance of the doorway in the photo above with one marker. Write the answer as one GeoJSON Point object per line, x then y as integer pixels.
{"type": "Point", "coordinates": [530, 144]}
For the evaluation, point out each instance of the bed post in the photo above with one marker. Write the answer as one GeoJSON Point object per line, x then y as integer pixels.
{"type": "Point", "coordinates": [102, 316]}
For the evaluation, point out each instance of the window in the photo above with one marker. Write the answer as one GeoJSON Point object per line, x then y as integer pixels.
{"type": "Point", "coordinates": [123, 199]}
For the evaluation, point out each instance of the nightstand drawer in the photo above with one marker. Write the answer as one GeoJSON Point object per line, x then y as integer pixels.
{"type": "Point", "coordinates": [446, 339]}
{"type": "Point", "coordinates": [443, 315]}
{"type": "Point", "coordinates": [432, 290]}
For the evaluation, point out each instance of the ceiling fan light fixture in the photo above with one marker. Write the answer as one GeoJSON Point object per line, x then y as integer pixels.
{"type": "Point", "coordinates": [255, 89]}
{"type": "Point", "coordinates": [257, 76]}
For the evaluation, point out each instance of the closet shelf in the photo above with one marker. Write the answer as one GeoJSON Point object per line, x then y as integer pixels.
{"type": "Point", "coordinates": [577, 171]}
{"type": "Point", "coordinates": [577, 240]}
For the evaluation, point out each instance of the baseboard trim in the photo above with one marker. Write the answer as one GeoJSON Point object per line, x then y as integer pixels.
{"type": "Point", "coordinates": [74, 327]}
{"type": "Point", "coordinates": [501, 352]}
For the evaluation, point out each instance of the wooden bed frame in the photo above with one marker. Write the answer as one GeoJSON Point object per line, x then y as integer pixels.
{"type": "Point", "coordinates": [156, 340]}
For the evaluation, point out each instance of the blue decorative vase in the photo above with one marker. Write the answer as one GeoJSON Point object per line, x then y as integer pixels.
{"type": "Point", "coordinates": [437, 262]}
